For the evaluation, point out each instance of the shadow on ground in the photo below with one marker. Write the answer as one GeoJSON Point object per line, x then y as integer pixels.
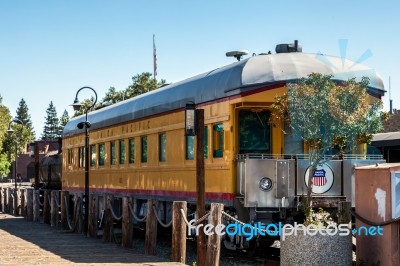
{"type": "Point", "coordinates": [24, 242]}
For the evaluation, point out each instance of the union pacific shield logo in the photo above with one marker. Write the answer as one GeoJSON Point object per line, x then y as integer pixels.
{"type": "Point", "coordinates": [322, 179]}
{"type": "Point", "coordinates": [319, 177]}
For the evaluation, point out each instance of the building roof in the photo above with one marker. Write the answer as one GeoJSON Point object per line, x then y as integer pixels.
{"type": "Point", "coordinates": [386, 139]}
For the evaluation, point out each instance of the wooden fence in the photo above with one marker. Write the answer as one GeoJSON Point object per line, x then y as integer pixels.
{"type": "Point", "coordinates": [65, 209]}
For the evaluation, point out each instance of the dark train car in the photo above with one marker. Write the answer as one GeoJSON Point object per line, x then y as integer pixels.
{"type": "Point", "coordinates": [389, 145]}
{"type": "Point", "coordinates": [50, 171]}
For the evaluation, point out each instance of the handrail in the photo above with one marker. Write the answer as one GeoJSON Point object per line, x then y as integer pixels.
{"type": "Point", "coordinates": [265, 156]}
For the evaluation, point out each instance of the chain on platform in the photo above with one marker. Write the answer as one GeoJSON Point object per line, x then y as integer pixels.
{"type": "Point", "coordinates": [155, 210]}
{"type": "Point", "coordinates": [134, 215]}
{"type": "Point", "coordinates": [56, 199]}
{"type": "Point", "coordinates": [77, 208]}
{"type": "Point", "coordinates": [198, 221]}
{"type": "Point", "coordinates": [113, 213]}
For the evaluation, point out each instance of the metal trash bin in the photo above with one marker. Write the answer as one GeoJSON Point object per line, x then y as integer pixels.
{"type": "Point", "coordinates": [378, 201]}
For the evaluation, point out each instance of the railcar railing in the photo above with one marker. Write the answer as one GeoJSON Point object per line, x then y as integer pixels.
{"type": "Point", "coordinates": [306, 156]}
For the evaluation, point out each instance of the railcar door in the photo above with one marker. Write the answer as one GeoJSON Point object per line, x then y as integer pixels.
{"type": "Point", "coordinates": [257, 170]}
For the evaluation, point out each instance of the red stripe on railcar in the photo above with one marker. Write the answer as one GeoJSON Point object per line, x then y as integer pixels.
{"type": "Point", "coordinates": [159, 193]}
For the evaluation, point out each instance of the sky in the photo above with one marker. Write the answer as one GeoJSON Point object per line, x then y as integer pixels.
{"type": "Point", "coordinates": [50, 49]}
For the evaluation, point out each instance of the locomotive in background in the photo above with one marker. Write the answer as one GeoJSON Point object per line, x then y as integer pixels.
{"type": "Point", "coordinates": [43, 162]}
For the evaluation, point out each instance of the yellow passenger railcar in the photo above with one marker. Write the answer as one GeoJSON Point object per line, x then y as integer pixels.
{"type": "Point", "coordinates": [152, 156]}
{"type": "Point", "coordinates": [138, 147]}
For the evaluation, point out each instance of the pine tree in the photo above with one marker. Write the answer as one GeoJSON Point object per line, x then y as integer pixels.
{"type": "Point", "coordinates": [52, 125]}
{"type": "Point", "coordinates": [25, 117]}
{"type": "Point", "coordinates": [63, 121]}
{"type": "Point", "coordinates": [22, 133]}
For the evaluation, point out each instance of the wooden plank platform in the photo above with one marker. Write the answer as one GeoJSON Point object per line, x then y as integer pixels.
{"type": "Point", "coordinates": [30, 243]}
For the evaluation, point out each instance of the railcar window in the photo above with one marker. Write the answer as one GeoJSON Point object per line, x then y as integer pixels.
{"type": "Point", "coordinates": [218, 141]}
{"type": "Point", "coordinates": [81, 161]}
{"type": "Point", "coordinates": [122, 152]}
{"type": "Point", "coordinates": [162, 144]}
{"type": "Point", "coordinates": [131, 151]}
{"type": "Point", "coordinates": [254, 132]}
{"type": "Point", "coordinates": [70, 156]}
{"type": "Point", "coordinates": [144, 149]}
{"type": "Point", "coordinates": [113, 156]}
{"type": "Point", "coordinates": [205, 142]}
{"type": "Point", "coordinates": [189, 147]}
{"type": "Point", "coordinates": [102, 153]}
{"type": "Point", "coordinates": [93, 156]}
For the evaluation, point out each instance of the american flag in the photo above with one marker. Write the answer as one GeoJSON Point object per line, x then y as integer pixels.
{"type": "Point", "coordinates": [154, 58]}
{"type": "Point", "coordinates": [319, 178]}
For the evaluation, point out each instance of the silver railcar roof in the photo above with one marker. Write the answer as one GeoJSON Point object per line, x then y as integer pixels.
{"type": "Point", "coordinates": [246, 75]}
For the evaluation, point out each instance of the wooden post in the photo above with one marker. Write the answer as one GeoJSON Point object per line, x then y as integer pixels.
{"type": "Point", "coordinates": [54, 208]}
{"type": "Point", "coordinates": [36, 205]}
{"type": "Point", "coordinates": [344, 215]}
{"type": "Point", "coordinates": [64, 211]}
{"type": "Point", "coordinates": [46, 207]}
{"type": "Point", "coordinates": [15, 202]}
{"type": "Point", "coordinates": [37, 181]}
{"type": "Point", "coordinates": [92, 218]}
{"type": "Point", "coordinates": [108, 219]}
{"type": "Point", "coordinates": [1, 200]}
{"type": "Point", "coordinates": [179, 229]}
{"type": "Point", "coordinates": [5, 200]}
{"type": "Point", "coordinates": [10, 201]}
{"type": "Point", "coordinates": [76, 213]}
{"type": "Point", "coordinates": [214, 240]}
{"type": "Point", "coordinates": [200, 185]}
{"type": "Point", "coordinates": [79, 218]}
{"type": "Point", "coordinates": [22, 202]}
{"type": "Point", "coordinates": [150, 242]}
{"type": "Point", "coordinates": [29, 204]}
{"type": "Point", "coordinates": [127, 225]}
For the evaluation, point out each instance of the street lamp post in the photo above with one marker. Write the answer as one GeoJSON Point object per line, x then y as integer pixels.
{"type": "Point", "coordinates": [10, 131]}
{"type": "Point", "coordinates": [77, 106]}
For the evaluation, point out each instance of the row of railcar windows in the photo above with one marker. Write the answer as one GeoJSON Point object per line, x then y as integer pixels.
{"type": "Point", "coordinates": [98, 151]}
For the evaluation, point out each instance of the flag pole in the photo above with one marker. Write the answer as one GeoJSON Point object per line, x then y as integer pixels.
{"type": "Point", "coordinates": [154, 59]}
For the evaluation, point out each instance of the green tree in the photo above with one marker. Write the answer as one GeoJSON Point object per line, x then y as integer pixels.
{"type": "Point", "coordinates": [63, 121]}
{"type": "Point", "coordinates": [4, 165]}
{"type": "Point", "coordinates": [5, 118]}
{"type": "Point", "coordinates": [392, 124]}
{"type": "Point", "coordinates": [51, 130]}
{"type": "Point", "coordinates": [142, 83]}
{"type": "Point", "coordinates": [320, 112]}
{"type": "Point", "coordinates": [22, 133]}
{"type": "Point", "coordinates": [112, 96]}
{"type": "Point", "coordinates": [28, 134]}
